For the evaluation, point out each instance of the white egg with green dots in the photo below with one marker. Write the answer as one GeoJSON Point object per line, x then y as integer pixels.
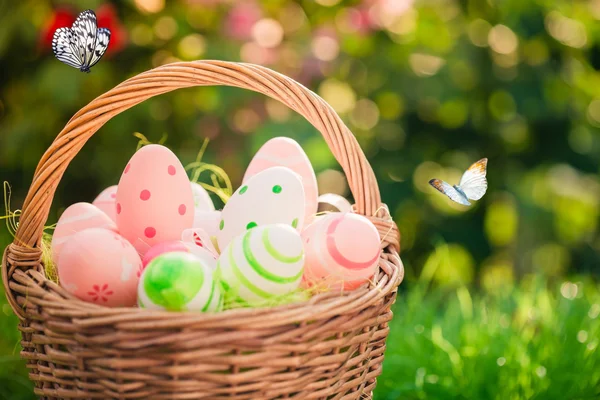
{"type": "Point", "coordinates": [272, 196]}
{"type": "Point", "coordinates": [179, 281]}
{"type": "Point", "coordinates": [263, 263]}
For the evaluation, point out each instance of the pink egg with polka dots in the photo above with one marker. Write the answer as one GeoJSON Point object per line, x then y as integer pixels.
{"type": "Point", "coordinates": [76, 218]}
{"type": "Point", "coordinates": [154, 198]}
{"type": "Point", "coordinates": [164, 247]}
{"type": "Point", "coordinates": [107, 202]}
{"type": "Point", "coordinates": [100, 266]}
{"type": "Point", "coordinates": [341, 251]}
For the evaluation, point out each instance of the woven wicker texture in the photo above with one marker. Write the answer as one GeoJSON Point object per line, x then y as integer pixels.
{"type": "Point", "coordinates": [329, 347]}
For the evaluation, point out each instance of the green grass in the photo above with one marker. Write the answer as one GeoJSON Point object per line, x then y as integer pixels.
{"type": "Point", "coordinates": [534, 341]}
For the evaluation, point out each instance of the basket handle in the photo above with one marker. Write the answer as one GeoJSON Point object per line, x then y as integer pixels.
{"type": "Point", "coordinates": [182, 75]}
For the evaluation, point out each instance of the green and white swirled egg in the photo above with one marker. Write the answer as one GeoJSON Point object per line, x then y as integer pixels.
{"type": "Point", "coordinates": [179, 281]}
{"type": "Point", "coordinates": [264, 262]}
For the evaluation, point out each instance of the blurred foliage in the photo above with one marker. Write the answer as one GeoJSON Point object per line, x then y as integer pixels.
{"type": "Point", "coordinates": [428, 87]}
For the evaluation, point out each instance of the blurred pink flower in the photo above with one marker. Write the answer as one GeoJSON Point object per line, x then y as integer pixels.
{"type": "Point", "coordinates": [241, 19]}
{"type": "Point", "coordinates": [359, 20]}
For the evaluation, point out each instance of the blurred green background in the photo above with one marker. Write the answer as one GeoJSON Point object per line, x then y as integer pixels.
{"type": "Point", "coordinates": [500, 299]}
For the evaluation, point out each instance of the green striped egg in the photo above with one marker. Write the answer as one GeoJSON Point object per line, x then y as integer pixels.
{"type": "Point", "coordinates": [264, 262]}
{"type": "Point", "coordinates": [179, 281]}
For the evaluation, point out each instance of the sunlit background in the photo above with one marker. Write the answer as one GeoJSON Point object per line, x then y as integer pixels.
{"type": "Point", "coordinates": [501, 298]}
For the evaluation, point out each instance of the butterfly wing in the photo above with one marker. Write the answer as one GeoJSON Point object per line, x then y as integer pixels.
{"type": "Point", "coordinates": [85, 29]}
{"type": "Point", "coordinates": [101, 46]}
{"type": "Point", "coordinates": [65, 47]}
{"type": "Point", "coordinates": [449, 191]}
{"type": "Point", "coordinates": [473, 182]}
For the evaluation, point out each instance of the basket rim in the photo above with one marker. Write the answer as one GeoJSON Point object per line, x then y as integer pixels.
{"type": "Point", "coordinates": [320, 306]}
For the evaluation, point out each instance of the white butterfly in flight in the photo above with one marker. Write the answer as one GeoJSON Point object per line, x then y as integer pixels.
{"type": "Point", "coordinates": [472, 186]}
{"type": "Point", "coordinates": [82, 45]}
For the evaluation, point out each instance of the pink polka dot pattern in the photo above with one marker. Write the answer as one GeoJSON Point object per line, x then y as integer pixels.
{"type": "Point", "coordinates": [127, 168]}
{"type": "Point", "coordinates": [156, 199]}
{"type": "Point", "coordinates": [145, 195]}
{"type": "Point", "coordinates": [150, 232]}
{"type": "Point", "coordinates": [118, 208]}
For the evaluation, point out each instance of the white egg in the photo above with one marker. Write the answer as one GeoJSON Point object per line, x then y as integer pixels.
{"type": "Point", "coordinates": [273, 196]}
{"type": "Point", "coordinates": [202, 200]}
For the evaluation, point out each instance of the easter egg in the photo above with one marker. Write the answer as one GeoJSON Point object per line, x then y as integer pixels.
{"type": "Point", "coordinates": [286, 152]}
{"type": "Point", "coordinates": [334, 202]}
{"type": "Point", "coordinates": [199, 238]}
{"type": "Point", "coordinates": [264, 262]}
{"type": "Point", "coordinates": [107, 202]}
{"type": "Point", "coordinates": [76, 218]}
{"type": "Point", "coordinates": [202, 200]}
{"type": "Point", "coordinates": [208, 221]}
{"type": "Point", "coordinates": [100, 266]}
{"type": "Point", "coordinates": [272, 196]}
{"type": "Point", "coordinates": [161, 248]}
{"type": "Point", "coordinates": [179, 282]}
{"type": "Point", "coordinates": [342, 251]}
{"type": "Point", "coordinates": [154, 198]}
{"type": "Point", "coordinates": [199, 244]}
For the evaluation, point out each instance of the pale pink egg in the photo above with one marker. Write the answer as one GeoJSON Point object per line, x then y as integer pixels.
{"type": "Point", "coordinates": [342, 251]}
{"type": "Point", "coordinates": [154, 198]}
{"type": "Point", "coordinates": [107, 202]}
{"type": "Point", "coordinates": [100, 266]}
{"type": "Point", "coordinates": [164, 247]}
{"type": "Point", "coordinates": [76, 218]}
{"type": "Point", "coordinates": [286, 152]}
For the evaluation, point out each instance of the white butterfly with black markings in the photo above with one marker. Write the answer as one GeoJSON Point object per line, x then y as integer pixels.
{"type": "Point", "coordinates": [82, 45]}
{"type": "Point", "coordinates": [472, 186]}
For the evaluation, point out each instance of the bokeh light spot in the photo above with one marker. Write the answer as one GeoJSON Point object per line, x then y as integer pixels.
{"type": "Point", "coordinates": [338, 94]}
{"type": "Point", "coordinates": [425, 64]}
{"type": "Point", "coordinates": [478, 32]}
{"type": "Point", "coordinates": [191, 47]}
{"type": "Point", "coordinates": [365, 114]}
{"type": "Point", "coordinates": [325, 48]}
{"type": "Point", "coordinates": [502, 39]}
{"type": "Point", "coordinates": [165, 28]}
{"type": "Point", "coordinates": [150, 6]}
{"type": "Point", "coordinates": [332, 181]}
{"type": "Point", "coordinates": [267, 33]}
{"type": "Point", "coordinates": [569, 290]}
{"type": "Point", "coordinates": [501, 221]}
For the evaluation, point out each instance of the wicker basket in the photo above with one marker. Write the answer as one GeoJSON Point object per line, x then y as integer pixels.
{"type": "Point", "coordinates": [330, 347]}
